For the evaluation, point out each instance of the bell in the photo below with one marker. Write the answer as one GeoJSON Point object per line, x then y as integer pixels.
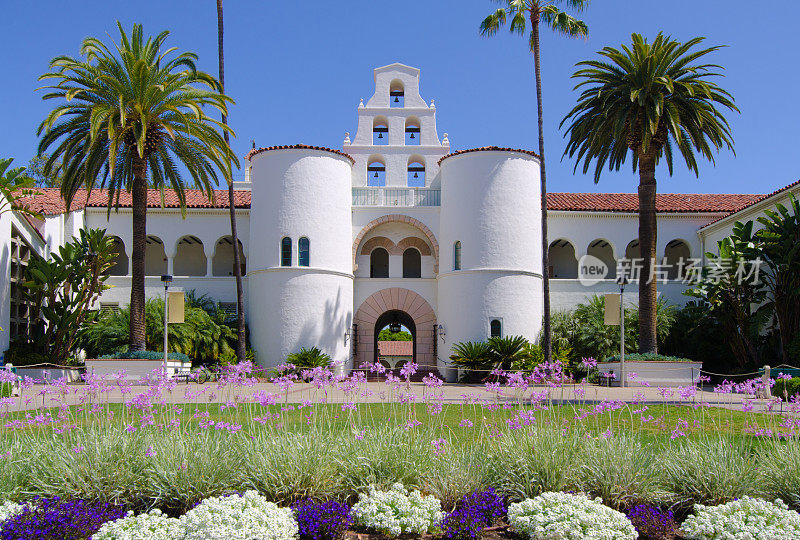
{"type": "Point", "coordinates": [416, 175]}
{"type": "Point", "coordinates": [380, 135]}
{"type": "Point", "coordinates": [376, 174]}
{"type": "Point", "coordinates": [396, 99]}
{"type": "Point", "coordinates": [412, 135]}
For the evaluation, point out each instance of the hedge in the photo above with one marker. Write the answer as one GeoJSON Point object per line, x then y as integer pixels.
{"type": "Point", "coordinates": [146, 355]}
{"type": "Point", "coordinates": [647, 357]}
{"type": "Point", "coordinates": [786, 388]}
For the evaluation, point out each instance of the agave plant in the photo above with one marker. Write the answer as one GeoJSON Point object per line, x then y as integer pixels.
{"type": "Point", "coordinates": [506, 352]}
{"type": "Point", "coordinates": [472, 355]}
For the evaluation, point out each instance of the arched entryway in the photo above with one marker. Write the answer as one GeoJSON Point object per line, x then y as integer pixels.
{"type": "Point", "coordinates": [411, 311]}
{"type": "Point", "coordinates": [395, 322]}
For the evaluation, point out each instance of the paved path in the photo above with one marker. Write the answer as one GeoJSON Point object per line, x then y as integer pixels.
{"type": "Point", "coordinates": [380, 392]}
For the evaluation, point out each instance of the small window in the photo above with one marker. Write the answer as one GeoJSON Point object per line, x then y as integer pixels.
{"type": "Point", "coordinates": [302, 252]}
{"type": "Point", "coordinates": [495, 328]}
{"type": "Point", "coordinates": [286, 251]}
{"type": "Point", "coordinates": [457, 255]}
{"type": "Point", "coordinates": [376, 173]}
{"type": "Point", "coordinates": [412, 263]}
{"type": "Point", "coordinates": [379, 263]}
{"type": "Point", "coordinates": [380, 131]}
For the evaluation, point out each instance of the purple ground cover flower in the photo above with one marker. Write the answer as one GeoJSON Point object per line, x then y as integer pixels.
{"type": "Point", "coordinates": [56, 519]}
{"type": "Point", "coordinates": [322, 521]}
{"type": "Point", "coordinates": [652, 523]}
{"type": "Point", "coordinates": [472, 513]}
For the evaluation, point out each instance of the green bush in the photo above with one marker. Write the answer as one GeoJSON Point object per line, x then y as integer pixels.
{"type": "Point", "coordinates": [6, 389]}
{"type": "Point", "coordinates": [23, 353]}
{"type": "Point", "coordinates": [786, 388]}
{"type": "Point", "coordinates": [647, 357]}
{"type": "Point", "coordinates": [309, 358]}
{"type": "Point", "coordinates": [146, 355]}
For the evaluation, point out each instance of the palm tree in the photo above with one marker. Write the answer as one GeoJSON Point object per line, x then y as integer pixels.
{"type": "Point", "coordinates": [649, 98]}
{"type": "Point", "coordinates": [125, 111]}
{"type": "Point", "coordinates": [536, 11]}
{"type": "Point", "coordinates": [237, 267]}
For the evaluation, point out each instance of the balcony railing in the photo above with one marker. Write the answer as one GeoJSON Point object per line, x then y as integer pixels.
{"type": "Point", "coordinates": [384, 196]}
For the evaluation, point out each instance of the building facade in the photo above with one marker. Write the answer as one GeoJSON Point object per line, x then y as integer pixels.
{"type": "Point", "coordinates": [393, 228]}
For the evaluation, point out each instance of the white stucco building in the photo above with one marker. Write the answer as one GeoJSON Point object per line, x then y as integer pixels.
{"type": "Point", "coordinates": [394, 227]}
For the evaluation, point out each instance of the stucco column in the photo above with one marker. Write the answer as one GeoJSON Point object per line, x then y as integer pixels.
{"type": "Point", "coordinates": [209, 262]}
{"type": "Point", "coordinates": [170, 261]}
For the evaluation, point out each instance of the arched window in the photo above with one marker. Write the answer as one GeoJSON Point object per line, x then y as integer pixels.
{"type": "Point", "coordinates": [396, 94]}
{"type": "Point", "coordinates": [155, 258]}
{"type": "Point", "coordinates": [495, 328]}
{"type": "Point", "coordinates": [561, 257]}
{"type": "Point", "coordinates": [376, 171]}
{"type": "Point", "coordinates": [190, 258]}
{"type": "Point", "coordinates": [120, 267]}
{"type": "Point", "coordinates": [380, 130]}
{"type": "Point", "coordinates": [416, 171]}
{"type": "Point", "coordinates": [286, 251]}
{"type": "Point", "coordinates": [604, 251]}
{"type": "Point", "coordinates": [457, 255]}
{"type": "Point", "coordinates": [222, 263]}
{"type": "Point", "coordinates": [677, 259]}
{"type": "Point", "coordinates": [302, 252]}
{"type": "Point", "coordinates": [412, 131]}
{"type": "Point", "coordinates": [379, 263]}
{"type": "Point", "coordinates": [412, 263]}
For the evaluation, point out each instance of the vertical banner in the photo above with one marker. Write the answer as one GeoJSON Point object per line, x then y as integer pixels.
{"type": "Point", "coordinates": [175, 307]}
{"type": "Point", "coordinates": [611, 315]}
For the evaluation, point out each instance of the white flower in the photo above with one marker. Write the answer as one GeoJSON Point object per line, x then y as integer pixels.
{"type": "Point", "coordinates": [563, 516]}
{"type": "Point", "coordinates": [10, 509]}
{"type": "Point", "coordinates": [743, 519]}
{"type": "Point", "coordinates": [397, 511]}
{"type": "Point", "coordinates": [150, 526]}
{"type": "Point", "coordinates": [239, 517]}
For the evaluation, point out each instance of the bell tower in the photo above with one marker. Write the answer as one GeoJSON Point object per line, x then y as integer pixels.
{"type": "Point", "coordinates": [396, 144]}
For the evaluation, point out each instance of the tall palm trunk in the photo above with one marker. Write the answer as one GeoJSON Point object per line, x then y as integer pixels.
{"type": "Point", "coordinates": [139, 245]}
{"type": "Point", "coordinates": [237, 266]}
{"type": "Point", "coordinates": [547, 346]}
{"type": "Point", "coordinates": [647, 248]}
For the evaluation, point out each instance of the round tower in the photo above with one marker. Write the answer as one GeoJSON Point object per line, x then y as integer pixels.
{"type": "Point", "coordinates": [300, 269]}
{"type": "Point", "coordinates": [490, 270]}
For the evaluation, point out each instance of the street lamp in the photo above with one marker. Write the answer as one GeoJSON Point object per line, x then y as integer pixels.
{"type": "Point", "coordinates": [622, 280]}
{"type": "Point", "coordinates": [166, 280]}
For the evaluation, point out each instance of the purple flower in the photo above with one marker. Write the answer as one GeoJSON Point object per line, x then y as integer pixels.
{"type": "Point", "coordinates": [55, 519]}
{"type": "Point", "coordinates": [322, 521]}
{"type": "Point", "coordinates": [652, 522]}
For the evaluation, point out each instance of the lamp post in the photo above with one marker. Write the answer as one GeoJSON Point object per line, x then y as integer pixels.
{"type": "Point", "coordinates": [622, 280]}
{"type": "Point", "coordinates": [166, 280]}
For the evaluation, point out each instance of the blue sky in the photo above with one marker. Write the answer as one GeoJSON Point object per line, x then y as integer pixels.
{"type": "Point", "coordinates": [298, 69]}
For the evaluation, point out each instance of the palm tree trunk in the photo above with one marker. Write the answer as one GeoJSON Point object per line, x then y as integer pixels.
{"type": "Point", "coordinates": [237, 265]}
{"type": "Point", "coordinates": [139, 229]}
{"type": "Point", "coordinates": [547, 347]}
{"type": "Point", "coordinates": [647, 248]}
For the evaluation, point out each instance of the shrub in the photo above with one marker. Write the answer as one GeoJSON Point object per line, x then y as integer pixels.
{"type": "Point", "coordinates": [647, 357]}
{"type": "Point", "coordinates": [146, 355]}
{"type": "Point", "coordinates": [564, 515]}
{"type": "Point", "coordinates": [322, 521]}
{"type": "Point", "coordinates": [239, 516]}
{"type": "Point", "coordinates": [652, 523]}
{"type": "Point", "coordinates": [54, 519]}
{"type": "Point", "coordinates": [786, 388]}
{"type": "Point", "coordinates": [397, 511]}
{"type": "Point", "coordinates": [743, 519]}
{"type": "Point", "coordinates": [152, 525]}
{"type": "Point", "coordinates": [309, 358]}
{"type": "Point", "coordinates": [24, 353]}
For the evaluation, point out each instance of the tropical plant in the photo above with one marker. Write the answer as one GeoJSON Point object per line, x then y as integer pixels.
{"type": "Point", "coordinates": [649, 100]}
{"type": "Point", "coordinates": [199, 337]}
{"type": "Point", "coordinates": [697, 334]}
{"type": "Point", "coordinates": [472, 355]}
{"type": "Point", "coordinates": [309, 358]}
{"type": "Point", "coordinates": [505, 352]}
{"type": "Point", "coordinates": [536, 11]}
{"type": "Point", "coordinates": [733, 299]}
{"type": "Point", "coordinates": [64, 287]}
{"type": "Point", "coordinates": [125, 111]}
{"type": "Point", "coordinates": [779, 248]}
{"type": "Point", "coordinates": [15, 186]}
{"type": "Point", "coordinates": [237, 265]}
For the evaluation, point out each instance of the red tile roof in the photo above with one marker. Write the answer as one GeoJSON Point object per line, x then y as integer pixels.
{"type": "Point", "coordinates": [49, 202]}
{"type": "Point", "coordinates": [488, 149]}
{"type": "Point", "coordinates": [665, 202]}
{"type": "Point", "coordinates": [758, 199]}
{"type": "Point", "coordinates": [255, 151]}
{"type": "Point", "coordinates": [396, 348]}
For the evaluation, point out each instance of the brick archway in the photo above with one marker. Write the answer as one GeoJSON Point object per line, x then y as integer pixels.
{"type": "Point", "coordinates": [398, 218]}
{"type": "Point", "coordinates": [403, 300]}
